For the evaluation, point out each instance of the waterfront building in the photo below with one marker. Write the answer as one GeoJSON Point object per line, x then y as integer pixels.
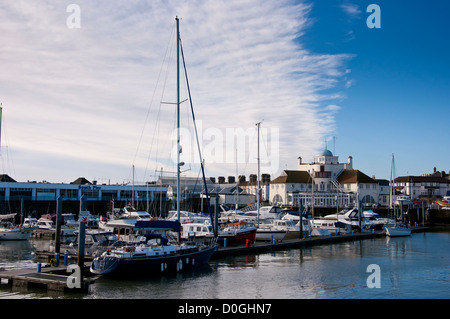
{"type": "Point", "coordinates": [251, 186]}
{"type": "Point", "coordinates": [384, 192]}
{"type": "Point", "coordinates": [193, 193]}
{"type": "Point", "coordinates": [425, 187]}
{"type": "Point", "coordinates": [42, 195]}
{"type": "Point", "coordinates": [326, 182]}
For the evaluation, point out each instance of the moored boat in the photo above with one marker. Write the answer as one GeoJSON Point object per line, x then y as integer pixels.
{"type": "Point", "coordinates": [155, 257]}
{"type": "Point", "coordinates": [197, 232]}
{"type": "Point", "coordinates": [398, 230]}
{"type": "Point", "coordinates": [9, 231]}
{"type": "Point", "coordinates": [266, 233]}
{"type": "Point", "coordinates": [158, 255]}
{"type": "Point", "coordinates": [292, 230]}
{"type": "Point", "coordinates": [445, 202]}
{"type": "Point", "coordinates": [237, 232]}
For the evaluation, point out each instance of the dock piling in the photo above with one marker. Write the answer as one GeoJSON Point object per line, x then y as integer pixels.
{"type": "Point", "coordinates": [81, 243]}
{"type": "Point", "coordinates": [58, 225]}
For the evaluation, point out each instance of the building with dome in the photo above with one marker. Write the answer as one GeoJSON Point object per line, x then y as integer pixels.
{"type": "Point", "coordinates": [325, 181]}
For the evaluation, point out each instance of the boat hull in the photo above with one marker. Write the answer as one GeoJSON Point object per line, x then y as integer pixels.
{"type": "Point", "coordinates": [398, 231]}
{"type": "Point", "coordinates": [16, 234]}
{"type": "Point", "coordinates": [242, 237]}
{"type": "Point", "coordinates": [151, 266]}
{"type": "Point", "coordinates": [267, 235]}
{"type": "Point", "coordinates": [292, 234]}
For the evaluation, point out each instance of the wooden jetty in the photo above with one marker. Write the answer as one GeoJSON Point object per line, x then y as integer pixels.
{"type": "Point", "coordinates": [261, 247]}
{"type": "Point", "coordinates": [51, 278]}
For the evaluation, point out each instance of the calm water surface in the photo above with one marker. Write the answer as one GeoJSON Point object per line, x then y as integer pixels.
{"type": "Point", "coordinates": [410, 268]}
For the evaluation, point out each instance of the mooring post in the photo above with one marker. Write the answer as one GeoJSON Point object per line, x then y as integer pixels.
{"type": "Point", "coordinates": [300, 210]}
{"type": "Point", "coordinates": [58, 227]}
{"type": "Point", "coordinates": [216, 216]}
{"type": "Point", "coordinates": [81, 241]}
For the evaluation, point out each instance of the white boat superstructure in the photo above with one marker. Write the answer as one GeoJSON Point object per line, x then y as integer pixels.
{"type": "Point", "coordinates": [48, 224]}
{"type": "Point", "coordinates": [269, 231]}
{"type": "Point", "coordinates": [346, 219]}
{"type": "Point", "coordinates": [373, 221]}
{"type": "Point", "coordinates": [45, 223]}
{"type": "Point", "coordinates": [265, 212]}
{"type": "Point", "coordinates": [197, 232]}
{"type": "Point", "coordinates": [187, 217]}
{"type": "Point", "coordinates": [292, 229]}
{"type": "Point", "coordinates": [30, 222]}
{"type": "Point", "coordinates": [402, 200]}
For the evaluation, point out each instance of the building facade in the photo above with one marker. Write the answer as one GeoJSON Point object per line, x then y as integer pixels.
{"type": "Point", "coordinates": [324, 183]}
{"type": "Point", "coordinates": [421, 187]}
{"type": "Point", "coordinates": [41, 194]}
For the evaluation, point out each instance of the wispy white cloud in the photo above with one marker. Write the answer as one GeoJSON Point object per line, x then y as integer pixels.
{"type": "Point", "coordinates": [352, 10]}
{"type": "Point", "coordinates": [89, 96]}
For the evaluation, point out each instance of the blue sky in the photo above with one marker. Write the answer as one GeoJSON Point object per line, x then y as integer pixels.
{"type": "Point", "coordinates": [399, 95]}
{"type": "Point", "coordinates": [86, 101]}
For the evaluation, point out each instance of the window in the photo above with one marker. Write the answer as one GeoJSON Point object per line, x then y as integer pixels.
{"type": "Point", "coordinates": [68, 193]}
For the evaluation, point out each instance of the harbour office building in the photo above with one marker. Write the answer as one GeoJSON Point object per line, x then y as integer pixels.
{"type": "Point", "coordinates": [325, 183]}
{"type": "Point", "coordinates": [37, 198]}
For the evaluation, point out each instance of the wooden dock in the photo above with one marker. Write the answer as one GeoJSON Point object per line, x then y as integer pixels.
{"type": "Point", "coordinates": [51, 278]}
{"type": "Point", "coordinates": [261, 247]}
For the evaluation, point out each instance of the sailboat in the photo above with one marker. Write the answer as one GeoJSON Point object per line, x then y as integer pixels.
{"type": "Point", "coordinates": [399, 229]}
{"type": "Point", "coordinates": [159, 255]}
{"type": "Point", "coordinates": [9, 231]}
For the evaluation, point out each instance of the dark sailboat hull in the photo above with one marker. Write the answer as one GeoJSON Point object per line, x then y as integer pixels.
{"type": "Point", "coordinates": [152, 266]}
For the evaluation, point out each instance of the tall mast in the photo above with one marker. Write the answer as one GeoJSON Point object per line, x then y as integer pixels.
{"type": "Point", "coordinates": [178, 118]}
{"type": "Point", "coordinates": [132, 190]}
{"type": "Point", "coordinates": [259, 182]}
{"type": "Point", "coordinates": [1, 111]}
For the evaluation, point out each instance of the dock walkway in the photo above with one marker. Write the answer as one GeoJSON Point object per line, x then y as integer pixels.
{"type": "Point", "coordinates": [51, 278]}
{"type": "Point", "coordinates": [261, 247]}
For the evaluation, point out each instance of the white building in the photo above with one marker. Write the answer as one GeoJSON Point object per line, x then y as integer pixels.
{"type": "Point", "coordinates": [417, 187]}
{"type": "Point", "coordinates": [326, 181]}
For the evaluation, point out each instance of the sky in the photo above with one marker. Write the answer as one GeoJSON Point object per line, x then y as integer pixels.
{"type": "Point", "coordinates": [88, 87]}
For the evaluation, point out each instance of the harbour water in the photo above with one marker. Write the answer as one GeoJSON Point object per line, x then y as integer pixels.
{"type": "Point", "coordinates": [415, 267]}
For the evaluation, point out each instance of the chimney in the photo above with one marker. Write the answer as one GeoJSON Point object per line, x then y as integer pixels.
{"type": "Point", "coordinates": [241, 178]}
{"type": "Point", "coordinates": [231, 179]}
{"type": "Point", "coordinates": [350, 163]}
{"type": "Point", "coordinates": [221, 180]}
{"type": "Point", "coordinates": [299, 160]}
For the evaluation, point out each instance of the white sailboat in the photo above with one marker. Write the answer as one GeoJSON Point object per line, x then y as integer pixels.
{"type": "Point", "coordinates": [9, 231]}
{"type": "Point", "coordinates": [399, 229]}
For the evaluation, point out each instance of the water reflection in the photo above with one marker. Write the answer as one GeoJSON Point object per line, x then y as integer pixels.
{"type": "Point", "coordinates": [16, 254]}
{"type": "Point", "coordinates": [412, 267]}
